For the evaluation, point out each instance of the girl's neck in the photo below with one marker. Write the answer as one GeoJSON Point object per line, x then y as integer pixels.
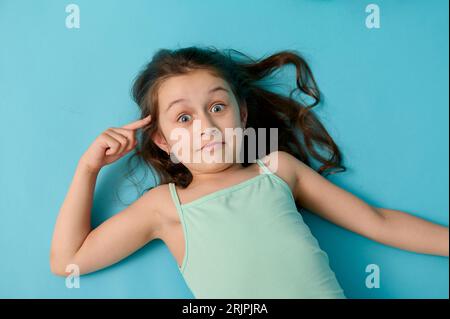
{"type": "Point", "coordinates": [203, 178]}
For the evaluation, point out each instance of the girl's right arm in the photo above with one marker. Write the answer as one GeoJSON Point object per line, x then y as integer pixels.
{"type": "Point", "coordinates": [74, 242]}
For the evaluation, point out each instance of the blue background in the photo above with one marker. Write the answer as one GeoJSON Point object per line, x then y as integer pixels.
{"type": "Point", "coordinates": [386, 106]}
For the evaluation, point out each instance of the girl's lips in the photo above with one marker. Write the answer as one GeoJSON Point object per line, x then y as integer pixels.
{"type": "Point", "coordinates": [211, 145]}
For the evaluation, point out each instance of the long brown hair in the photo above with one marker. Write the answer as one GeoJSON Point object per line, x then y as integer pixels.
{"type": "Point", "coordinates": [300, 133]}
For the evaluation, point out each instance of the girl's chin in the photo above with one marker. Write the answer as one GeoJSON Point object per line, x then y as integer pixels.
{"type": "Point", "coordinates": [217, 154]}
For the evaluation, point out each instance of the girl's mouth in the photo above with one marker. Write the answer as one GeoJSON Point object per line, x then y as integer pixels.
{"type": "Point", "coordinates": [212, 145]}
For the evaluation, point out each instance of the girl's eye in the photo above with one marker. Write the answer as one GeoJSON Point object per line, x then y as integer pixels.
{"type": "Point", "coordinates": [214, 107]}
{"type": "Point", "coordinates": [181, 117]}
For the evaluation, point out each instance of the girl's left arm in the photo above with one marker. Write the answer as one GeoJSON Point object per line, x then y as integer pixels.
{"type": "Point", "coordinates": [408, 232]}
{"type": "Point", "coordinates": [387, 226]}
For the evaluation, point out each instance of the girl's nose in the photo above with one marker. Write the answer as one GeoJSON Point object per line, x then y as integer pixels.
{"type": "Point", "coordinates": [213, 131]}
{"type": "Point", "coordinates": [207, 125]}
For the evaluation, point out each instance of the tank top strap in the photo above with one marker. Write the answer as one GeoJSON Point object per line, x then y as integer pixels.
{"type": "Point", "coordinates": [173, 193]}
{"type": "Point", "coordinates": [264, 167]}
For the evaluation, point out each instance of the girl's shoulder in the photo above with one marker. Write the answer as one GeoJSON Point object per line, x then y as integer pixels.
{"type": "Point", "coordinates": [283, 165]}
{"type": "Point", "coordinates": [164, 203]}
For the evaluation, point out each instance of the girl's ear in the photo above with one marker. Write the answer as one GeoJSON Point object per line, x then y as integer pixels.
{"type": "Point", "coordinates": [160, 140]}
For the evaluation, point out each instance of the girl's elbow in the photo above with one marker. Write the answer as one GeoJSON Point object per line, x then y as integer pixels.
{"type": "Point", "coordinates": [56, 269]}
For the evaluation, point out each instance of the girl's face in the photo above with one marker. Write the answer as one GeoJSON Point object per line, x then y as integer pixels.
{"type": "Point", "coordinates": [194, 110]}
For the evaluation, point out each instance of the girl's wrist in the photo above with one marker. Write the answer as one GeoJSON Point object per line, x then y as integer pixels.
{"type": "Point", "coordinates": [85, 168]}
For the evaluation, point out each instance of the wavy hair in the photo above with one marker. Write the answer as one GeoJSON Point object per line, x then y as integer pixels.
{"type": "Point", "coordinates": [300, 133]}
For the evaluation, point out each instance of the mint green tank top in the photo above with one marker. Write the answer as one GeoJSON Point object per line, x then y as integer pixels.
{"type": "Point", "coordinates": [249, 241]}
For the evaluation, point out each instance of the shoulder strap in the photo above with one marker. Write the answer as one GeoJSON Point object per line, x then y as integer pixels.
{"type": "Point", "coordinates": [173, 193]}
{"type": "Point", "coordinates": [263, 166]}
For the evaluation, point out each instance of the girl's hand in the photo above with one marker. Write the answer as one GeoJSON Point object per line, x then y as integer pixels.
{"type": "Point", "coordinates": [112, 144]}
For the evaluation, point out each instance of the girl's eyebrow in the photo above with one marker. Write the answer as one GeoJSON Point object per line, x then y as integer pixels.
{"type": "Point", "coordinates": [217, 88]}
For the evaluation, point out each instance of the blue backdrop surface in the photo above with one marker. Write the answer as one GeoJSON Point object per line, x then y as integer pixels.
{"type": "Point", "coordinates": [386, 105]}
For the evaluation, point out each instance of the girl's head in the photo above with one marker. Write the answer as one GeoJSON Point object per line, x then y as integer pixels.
{"type": "Point", "coordinates": [200, 92]}
{"type": "Point", "coordinates": [194, 109]}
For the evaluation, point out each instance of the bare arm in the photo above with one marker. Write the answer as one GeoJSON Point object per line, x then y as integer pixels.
{"type": "Point", "coordinates": [74, 241]}
{"type": "Point", "coordinates": [73, 223]}
{"type": "Point", "coordinates": [390, 227]}
{"type": "Point", "coordinates": [411, 233]}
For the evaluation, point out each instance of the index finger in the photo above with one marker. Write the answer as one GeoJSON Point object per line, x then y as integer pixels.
{"type": "Point", "coordinates": [138, 124]}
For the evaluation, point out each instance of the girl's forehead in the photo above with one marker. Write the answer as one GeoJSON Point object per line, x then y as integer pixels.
{"type": "Point", "coordinates": [191, 85]}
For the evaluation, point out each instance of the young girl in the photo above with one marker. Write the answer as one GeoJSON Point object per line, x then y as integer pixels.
{"type": "Point", "coordinates": [234, 227]}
